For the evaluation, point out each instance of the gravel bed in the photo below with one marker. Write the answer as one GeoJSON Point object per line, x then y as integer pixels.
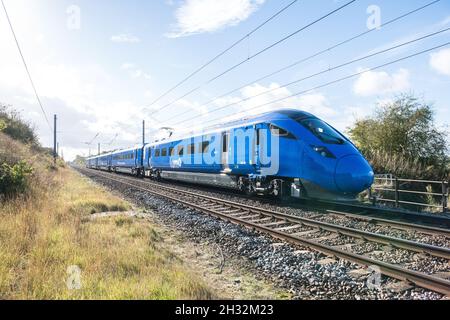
{"type": "Point", "coordinates": [307, 274]}
{"type": "Point", "coordinates": [429, 265]}
{"type": "Point", "coordinates": [436, 240]}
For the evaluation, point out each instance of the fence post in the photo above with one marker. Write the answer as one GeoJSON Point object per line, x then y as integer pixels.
{"type": "Point", "coordinates": [444, 196]}
{"type": "Point", "coordinates": [397, 194]}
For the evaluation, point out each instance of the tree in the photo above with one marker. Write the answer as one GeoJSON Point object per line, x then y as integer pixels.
{"type": "Point", "coordinates": [403, 129]}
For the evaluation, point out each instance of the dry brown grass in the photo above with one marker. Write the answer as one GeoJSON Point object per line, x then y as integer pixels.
{"type": "Point", "coordinates": [49, 230]}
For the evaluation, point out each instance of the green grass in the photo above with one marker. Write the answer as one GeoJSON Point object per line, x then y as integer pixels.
{"type": "Point", "coordinates": [43, 237]}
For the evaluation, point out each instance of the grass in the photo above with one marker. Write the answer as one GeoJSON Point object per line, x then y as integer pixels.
{"type": "Point", "coordinates": [50, 245]}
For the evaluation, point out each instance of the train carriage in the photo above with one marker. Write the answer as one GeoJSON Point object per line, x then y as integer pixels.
{"type": "Point", "coordinates": [284, 152]}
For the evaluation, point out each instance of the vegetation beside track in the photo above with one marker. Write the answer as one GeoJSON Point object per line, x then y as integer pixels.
{"type": "Point", "coordinates": [402, 138]}
{"type": "Point", "coordinates": [52, 247]}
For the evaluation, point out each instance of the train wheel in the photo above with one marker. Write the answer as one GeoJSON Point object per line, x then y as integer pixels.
{"type": "Point", "coordinates": [280, 189]}
{"type": "Point", "coordinates": [250, 190]}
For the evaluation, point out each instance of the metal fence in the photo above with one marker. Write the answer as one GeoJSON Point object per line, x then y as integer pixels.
{"type": "Point", "coordinates": [390, 189]}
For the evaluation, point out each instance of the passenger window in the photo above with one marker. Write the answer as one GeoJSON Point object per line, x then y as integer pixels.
{"type": "Point", "coordinates": [172, 151]}
{"type": "Point", "coordinates": [204, 146]}
{"type": "Point", "coordinates": [157, 152]}
{"type": "Point", "coordinates": [164, 152]}
{"type": "Point", "coordinates": [191, 149]}
{"type": "Point", "coordinates": [180, 150]}
{"type": "Point", "coordinates": [225, 143]}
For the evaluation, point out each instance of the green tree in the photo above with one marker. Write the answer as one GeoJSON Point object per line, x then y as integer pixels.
{"type": "Point", "coordinates": [403, 130]}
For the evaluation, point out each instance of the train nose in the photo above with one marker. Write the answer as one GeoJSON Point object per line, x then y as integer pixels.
{"type": "Point", "coordinates": [353, 174]}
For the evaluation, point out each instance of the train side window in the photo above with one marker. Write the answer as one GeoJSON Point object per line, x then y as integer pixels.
{"type": "Point", "coordinates": [171, 151]}
{"type": "Point", "coordinates": [225, 143]}
{"type": "Point", "coordinates": [204, 147]}
{"type": "Point", "coordinates": [280, 132]}
{"type": "Point", "coordinates": [180, 150]}
{"type": "Point", "coordinates": [164, 152]}
{"type": "Point", "coordinates": [191, 149]}
{"type": "Point", "coordinates": [157, 152]}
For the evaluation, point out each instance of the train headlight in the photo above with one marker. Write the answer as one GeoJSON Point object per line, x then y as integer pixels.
{"type": "Point", "coordinates": [323, 151]}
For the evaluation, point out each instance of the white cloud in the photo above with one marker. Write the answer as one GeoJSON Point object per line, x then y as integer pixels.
{"type": "Point", "coordinates": [440, 61]}
{"type": "Point", "coordinates": [125, 38]}
{"type": "Point", "coordinates": [200, 16]}
{"type": "Point", "coordinates": [380, 83]}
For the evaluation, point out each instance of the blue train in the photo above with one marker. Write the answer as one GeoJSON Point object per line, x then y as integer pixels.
{"type": "Point", "coordinates": [280, 153]}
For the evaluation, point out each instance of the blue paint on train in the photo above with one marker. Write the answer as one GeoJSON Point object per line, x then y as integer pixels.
{"type": "Point", "coordinates": [262, 153]}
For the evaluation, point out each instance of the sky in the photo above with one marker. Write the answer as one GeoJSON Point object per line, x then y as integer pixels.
{"type": "Point", "coordinates": [101, 65]}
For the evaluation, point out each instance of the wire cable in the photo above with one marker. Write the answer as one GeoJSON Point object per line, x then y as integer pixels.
{"type": "Point", "coordinates": [322, 72]}
{"type": "Point", "coordinates": [339, 80]}
{"type": "Point", "coordinates": [257, 54]}
{"type": "Point", "coordinates": [223, 52]}
{"type": "Point", "coordinates": [26, 68]}
{"type": "Point", "coordinates": [309, 57]}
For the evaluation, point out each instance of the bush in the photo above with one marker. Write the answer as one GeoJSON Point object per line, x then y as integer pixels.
{"type": "Point", "coordinates": [2, 124]}
{"type": "Point", "coordinates": [401, 138]}
{"type": "Point", "coordinates": [14, 179]}
{"type": "Point", "coordinates": [14, 126]}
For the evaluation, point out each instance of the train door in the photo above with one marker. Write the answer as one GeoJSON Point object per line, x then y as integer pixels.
{"type": "Point", "coordinates": [147, 157]}
{"type": "Point", "coordinates": [243, 145]}
{"type": "Point", "coordinates": [260, 144]}
{"type": "Point", "coordinates": [225, 150]}
{"type": "Point", "coordinates": [263, 146]}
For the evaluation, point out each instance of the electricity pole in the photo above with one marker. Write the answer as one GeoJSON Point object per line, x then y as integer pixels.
{"type": "Point", "coordinates": [143, 132]}
{"type": "Point", "coordinates": [55, 155]}
{"type": "Point", "coordinates": [143, 144]}
{"type": "Point", "coordinates": [99, 148]}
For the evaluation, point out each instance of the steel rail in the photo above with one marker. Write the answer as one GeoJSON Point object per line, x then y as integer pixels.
{"type": "Point", "coordinates": [419, 279]}
{"type": "Point", "coordinates": [351, 232]}
{"type": "Point", "coordinates": [394, 224]}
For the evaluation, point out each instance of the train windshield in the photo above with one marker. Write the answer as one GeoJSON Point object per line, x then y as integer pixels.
{"type": "Point", "coordinates": [322, 131]}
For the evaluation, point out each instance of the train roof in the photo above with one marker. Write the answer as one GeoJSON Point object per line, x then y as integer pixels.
{"type": "Point", "coordinates": [293, 114]}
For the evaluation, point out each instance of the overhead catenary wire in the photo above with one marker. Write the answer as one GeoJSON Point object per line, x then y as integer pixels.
{"type": "Point", "coordinates": [296, 63]}
{"type": "Point", "coordinates": [26, 67]}
{"type": "Point", "coordinates": [320, 73]}
{"type": "Point", "coordinates": [224, 52]}
{"type": "Point", "coordinates": [335, 81]}
{"type": "Point", "coordinates": [276, 43]}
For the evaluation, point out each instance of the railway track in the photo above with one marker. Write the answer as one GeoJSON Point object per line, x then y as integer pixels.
{"type": "Point", "coordinates": [306, 232]}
